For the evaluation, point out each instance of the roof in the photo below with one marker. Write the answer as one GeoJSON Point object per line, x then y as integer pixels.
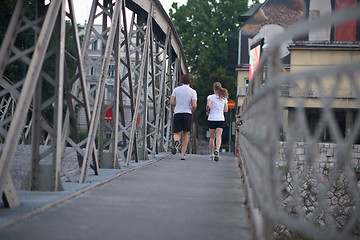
{"type": "Point", "coordinates": [325, 45]}
{"type": "Point", "coordinates": [253, 9]}
{"type": "Point", "coordinates": [274, 12]}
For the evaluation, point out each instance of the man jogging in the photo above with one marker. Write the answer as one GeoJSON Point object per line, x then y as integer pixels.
{"type": "Point", "coordinates": [184, 99]}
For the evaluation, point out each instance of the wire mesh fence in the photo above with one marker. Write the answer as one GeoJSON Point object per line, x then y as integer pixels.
{"type": "Point", "coordinates": [301, 163]}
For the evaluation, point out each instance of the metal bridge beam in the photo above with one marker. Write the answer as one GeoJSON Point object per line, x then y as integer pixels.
{"type": "Point", "coordinates": [143, 65]}
{"type": "Point", "coordinates": [51, 18]}
{"type": "Point", "coordinates": [147, 58]}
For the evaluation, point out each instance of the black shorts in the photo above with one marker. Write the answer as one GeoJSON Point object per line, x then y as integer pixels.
{"type": "Point", "coordinates": [182, 122]}
{"type": "Point", "coordinates": [216, 124]}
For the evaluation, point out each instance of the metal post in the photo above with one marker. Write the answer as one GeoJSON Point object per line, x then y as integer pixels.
{"type": "Point", "coordinates": [230, 132]}
{"type": "Point", "coordinates": [139, 87]}
{"type": "Point", "coordinates": [30, 82]}
{"type": "Point", "coordinates": [90, 146]}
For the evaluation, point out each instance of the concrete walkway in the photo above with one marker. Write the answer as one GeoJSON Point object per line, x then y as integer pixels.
{"type": "Point", "coordinates": [170, 199]}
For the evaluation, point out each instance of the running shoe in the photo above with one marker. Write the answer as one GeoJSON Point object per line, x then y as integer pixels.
{"type": "Point", "coordinates": [212, 157]}
{"type": "Point", "coordinates": [175, 147]}
{"type": "Point", "coordinates": [216, 155]}
{"type": "Point", "coordinates": [182, 157]}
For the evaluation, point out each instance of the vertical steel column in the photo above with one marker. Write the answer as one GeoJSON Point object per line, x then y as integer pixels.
{"type": "Point", "coordinates": [143, 67]}
{"type": "Point", "coordinates": [47, 177]}
{"type": "Point", "coordinates": [107, 6]}
{"type": "Point", "coordinates": [30, 81]}
{"type": "Point", "coordinates": [126, 88]}
{"type": "Point", "coordinates": [59, 94]}
{"type": "Point", "coordinates": [168, 110]}
{"type": "Point", "coordinates": [114, 127]}
{"type": "Point", "coordinates": [76, 94]}
{"type": "Point", "coordinates": [100, 93]}
{"type": "Point", "coordinates": [108, 152]}
{"type": "Point", "coordinates": [34, 181]}
{"type": "Point", "coordinates": [160, 103]}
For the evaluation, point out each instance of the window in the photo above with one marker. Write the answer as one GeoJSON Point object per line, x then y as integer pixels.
{"type": "Point", "coordinates": [110, 90]}
{"type": "Point", "coordinates": [93, 71]}
{"type": "Point", "coordinates": [246, 85]}
{"type": "Point", "coordinates": [94, 45]}
{"type": "Point", "coordinates": [93, 90]}
{"type": "Point", "coordinates": [111, 71]}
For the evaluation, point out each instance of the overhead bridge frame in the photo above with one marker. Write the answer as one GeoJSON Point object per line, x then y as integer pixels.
{"type": "Point", "coordinates": [147, 59]}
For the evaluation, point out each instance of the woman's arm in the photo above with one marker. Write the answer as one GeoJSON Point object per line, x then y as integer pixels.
{"type": "Point", "coordinates": [208, 103]}
{"type": "Point", "coordinates": [226, 108]}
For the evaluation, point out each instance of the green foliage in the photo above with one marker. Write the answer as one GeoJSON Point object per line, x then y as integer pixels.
{"type": "Point", "coordinates": [6, 10]}
{"type": "Point", "coordinates": [225, 146]}
{"type": "Point", "coordinates": [356, 231]}
{"type": "Point", "coordinates": [25, 40]}
{"type": "Point", "coordinates": [84, 134]}
{"type": "Point", "coordinates": [16, 70]}
{"type": "Point", "coordinates": [203, 27]}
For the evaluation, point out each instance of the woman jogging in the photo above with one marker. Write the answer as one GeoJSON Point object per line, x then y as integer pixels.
{"type": "Point", "coordinates": [215, 107]}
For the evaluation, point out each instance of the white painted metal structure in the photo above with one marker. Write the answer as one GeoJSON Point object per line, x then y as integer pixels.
{"type": "Point", "coordinates": [147, 57]}
{"type": "Point", "coordinates": [271, 204]}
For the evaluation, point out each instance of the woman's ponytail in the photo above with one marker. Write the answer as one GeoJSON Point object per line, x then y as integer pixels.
{"type": "Point", "coordinates": [222, 92]}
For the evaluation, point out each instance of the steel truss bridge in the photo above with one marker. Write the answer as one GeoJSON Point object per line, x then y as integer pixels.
{"type": "Point", "coordinates": [146, 58]}
{"type": "Point", "coordinates": [139, 46]}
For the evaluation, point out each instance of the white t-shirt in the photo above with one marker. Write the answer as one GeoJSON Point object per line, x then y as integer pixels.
{"type": "Point", "coordinates": [216, 108]}
{"type": "Point", "coordinates": [183, 96]}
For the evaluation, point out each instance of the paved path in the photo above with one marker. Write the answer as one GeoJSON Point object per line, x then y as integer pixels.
{"type": "Point", "coordinates": [170, 199]}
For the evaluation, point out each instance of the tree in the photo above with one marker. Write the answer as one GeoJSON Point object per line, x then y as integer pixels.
{"type": "Point", "coordinates": [203, 26]}
{"type": "Point", "coordinates": [6, 10]}
{"type": "Point", "coordinates": [16, 71]}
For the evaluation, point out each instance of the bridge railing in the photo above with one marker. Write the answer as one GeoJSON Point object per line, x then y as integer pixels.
{"type": "Point", "coordinates": [296, 185]}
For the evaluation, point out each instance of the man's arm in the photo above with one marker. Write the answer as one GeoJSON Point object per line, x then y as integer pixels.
{"type": "Point", "coordinates": [193, 104]}
{"type": "Point", "coordinates": [173, 100]}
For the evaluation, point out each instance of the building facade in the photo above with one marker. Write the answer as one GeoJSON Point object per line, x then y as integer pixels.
{"type": "Point", "coordinates": [333, 45]}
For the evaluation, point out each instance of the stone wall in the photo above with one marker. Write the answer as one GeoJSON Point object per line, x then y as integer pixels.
{"type": "Point", "coordinates": [303, 181]}
{"type": "Point", "coordinates": [326, 154]}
